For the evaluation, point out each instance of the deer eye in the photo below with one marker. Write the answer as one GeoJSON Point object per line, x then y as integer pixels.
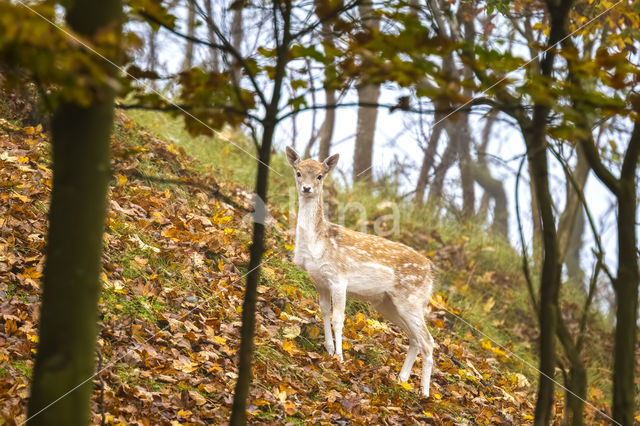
{"type": "Point", "coordinates": [319, 177]}
{"type": "Point", "coordinates": [298, 174]}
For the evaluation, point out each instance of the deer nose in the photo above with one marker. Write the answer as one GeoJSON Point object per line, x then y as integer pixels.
{"type": "Point", "coordinates": [306, 189]}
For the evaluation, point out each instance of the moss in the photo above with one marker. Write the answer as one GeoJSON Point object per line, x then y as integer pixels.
{"type": "Point", "coordinates": [24, 366]}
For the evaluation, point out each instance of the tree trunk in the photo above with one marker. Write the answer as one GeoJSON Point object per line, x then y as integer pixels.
{"type": "Point", "coordinates": [365, 132]}
{"type": "Point", "coordinates": [247, 332]}
{"type": "Point", "coordinates": [326, 134]}
{"type": "Point", "coordinates": [536, 231]}
{"type": "Point", "coordinates": [191, 32]}
{"type": "Point", "coordinates": [576, 380]}
{"type": "Point", "coordinates": [236, 41]}
{"type": "Point", "coordinates": [215, 58]}
{"type": "Point", "coordinates": [152, 58]}
{"type": "Point", "coordinates": [575, 273]}
{"type": "Point", "coordinates": [428, 159]}
{"type": "Point", "coordinates": [573, 206]}
{"type": "Point", "coordinates": [447, 160]}
{"type": "Point", "coordinates": [463, 143]}
{"type": "Point", "coordinates": [61, 384]}
{"type": "Point", "coordinates": [367, 116]}
{"type": "Point", "coordinates": [626, 288]}
{"type": "Point", "coordinates": [492, 186]}
{"type": "Point", "coordinates": [551, 270]}
{"type": "Point", "coordinates": [328, 126]}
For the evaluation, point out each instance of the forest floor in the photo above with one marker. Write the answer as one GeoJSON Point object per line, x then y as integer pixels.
{"type": "Point", "coordinates": [175, 256]}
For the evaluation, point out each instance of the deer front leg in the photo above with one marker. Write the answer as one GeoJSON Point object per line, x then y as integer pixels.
{"type": "Point", "coordinates": [339, 298]}
{"type": "Point", "coordinates": [324, 298]}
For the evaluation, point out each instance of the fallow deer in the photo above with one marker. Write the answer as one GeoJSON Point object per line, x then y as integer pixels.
{"type": "Point", "coordinates": [394, 278]}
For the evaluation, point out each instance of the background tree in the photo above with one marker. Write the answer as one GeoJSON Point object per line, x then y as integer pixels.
{"type": "Point", "coordinates": [368, 93]}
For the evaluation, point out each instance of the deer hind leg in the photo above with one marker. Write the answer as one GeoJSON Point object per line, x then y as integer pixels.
{"type": "Point", "coordinates": [417, 329]}
{"type": "Point", "coordinates": [411, 319]}
{"type": "Point", "coordinates": [427, 358]}
{"type": "Point", "coordinates": [324, 299]}
{"type": "Point", "coordinates": [389, 310]}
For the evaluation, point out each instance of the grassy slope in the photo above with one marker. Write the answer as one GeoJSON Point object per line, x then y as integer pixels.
{"type": "Point", "coordinates": [175, 254]}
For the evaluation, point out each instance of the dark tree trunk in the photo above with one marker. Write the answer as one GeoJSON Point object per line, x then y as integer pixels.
{"type": "Point", "coordinates": [551, 269]}
{"type": "Point", "coordinates": [247, 332]}
{"type": "Point", "coordinates": [61, 384]}
{"type": "Point", "coordinates": [626, 286]}
{"type": "Point", "coordinates": [576, 380]}
{"type": "Point", "coordinates": [535, 138]}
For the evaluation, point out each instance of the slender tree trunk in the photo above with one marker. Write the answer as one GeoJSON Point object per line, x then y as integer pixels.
{"type": "Point", "coordinates": [365, 133]}
{"type": "Point", "coordinates": [447, 160]}
{"type": "Point", "coordinates": [575, 273]}
{"type": "Point", "coordinates": [191, 31]}
{"type": "Point", "coordinates": [573, 206]}
{"type": "Point", "coordinates": [328, 126]}
{"type": "Point", "coordinates": [626, 288]}
{"type": "Point", "coordinates": [236, 40]}
{"type": "Point", "coordinates": [466, 170]}
{"type": "Point", "coordinates": [61, 385]}
{"type": "Point", "coordinates": [428, 159]}
{"type": "Point", "coordinates": [536, 232]}
{"type": "Point", "coordinates": [326, 134]}
{"type": "Point", "coordinates": [367, 116]}
{"type": "Point", "coordinates": [247, 332]}
{"type": "Point", "coordinates": [576, 380]}
{"type": "Point", "coordinates": [492, 186]}
{"type": "Point", "coordinates": [535, 138]}
{"type": "Point", "coordinates": [215, 56]}
{"type": "Point", "coordinates": [550, 277]}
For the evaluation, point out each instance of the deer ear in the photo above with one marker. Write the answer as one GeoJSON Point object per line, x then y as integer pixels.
{"type": "Point", "coordinates": [330, 162]}
{"type": "Point", "coordinates": [292, 156]}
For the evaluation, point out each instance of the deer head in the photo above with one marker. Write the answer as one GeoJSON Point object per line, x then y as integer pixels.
{"type": "Point", "coordinates": [310, 174]}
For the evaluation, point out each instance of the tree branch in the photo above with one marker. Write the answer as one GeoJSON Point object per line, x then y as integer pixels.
{"type": "Point", "coordinates": [393, 107]}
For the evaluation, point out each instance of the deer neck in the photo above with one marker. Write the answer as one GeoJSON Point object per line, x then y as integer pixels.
{"type": "Point", "coordinates": [311, 223]}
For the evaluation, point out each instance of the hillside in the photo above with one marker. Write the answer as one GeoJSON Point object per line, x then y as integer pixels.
{"type": "Point", "coordinates": [176, 250]}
